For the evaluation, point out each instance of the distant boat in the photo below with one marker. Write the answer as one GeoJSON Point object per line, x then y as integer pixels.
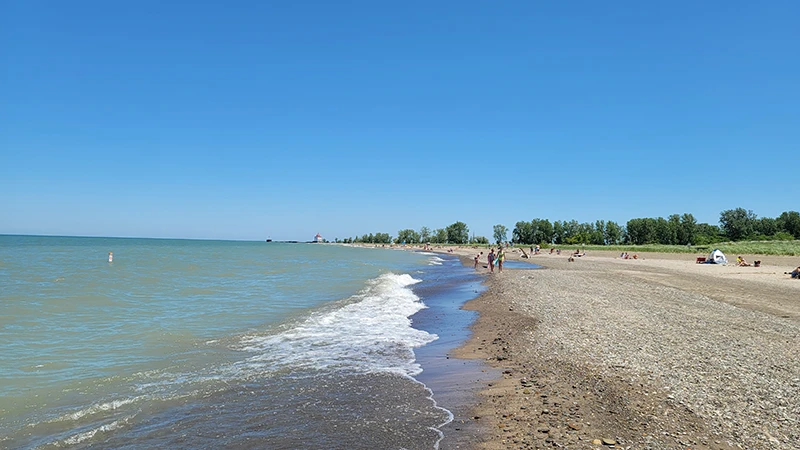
{"type": "Point", "coordinates": [269, 240]}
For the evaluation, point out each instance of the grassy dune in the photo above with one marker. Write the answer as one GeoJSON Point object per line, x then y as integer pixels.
{"type": "Point", "coordinates": [776, 248]}
{"type": "Point", "coordinates": [781, 248]}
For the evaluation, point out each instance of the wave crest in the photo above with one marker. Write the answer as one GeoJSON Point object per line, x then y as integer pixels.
{"type": "Point", "coordinates": [372, 333]}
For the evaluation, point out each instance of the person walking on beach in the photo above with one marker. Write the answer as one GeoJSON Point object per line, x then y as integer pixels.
{"type": "Point", "coordinates": [491, 260]}
{"type": "Point", "coordinates": [501, 256]}
{"type": "Point", "coordinates": [476, 261]}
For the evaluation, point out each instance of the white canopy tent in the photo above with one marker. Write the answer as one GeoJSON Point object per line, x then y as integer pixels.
{"type": "Point", "coordinates": [717, 257]}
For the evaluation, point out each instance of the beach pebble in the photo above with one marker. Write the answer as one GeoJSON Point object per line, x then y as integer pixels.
{"type": "Point", "coordinates": [656, 354]}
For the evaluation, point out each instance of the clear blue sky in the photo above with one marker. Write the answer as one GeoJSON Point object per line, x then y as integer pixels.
{"type": "Point", "coordinates": [248, 120]}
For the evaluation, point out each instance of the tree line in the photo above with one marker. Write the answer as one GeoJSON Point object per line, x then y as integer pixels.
{"type": "Point", "coordinates": [677, 229]}
{"type": "Point", "coordinates": [456, 233]}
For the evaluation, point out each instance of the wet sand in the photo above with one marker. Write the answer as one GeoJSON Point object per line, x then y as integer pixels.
{"type": "Point", "coordinates": [653, 353]}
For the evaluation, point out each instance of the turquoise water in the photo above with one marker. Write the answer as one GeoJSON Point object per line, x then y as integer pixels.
{"type": "Point", "coordinates": [94, 353]}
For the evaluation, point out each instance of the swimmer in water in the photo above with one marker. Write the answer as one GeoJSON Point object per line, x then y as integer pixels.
{"type": "Point", "coordinates": [110, 256]}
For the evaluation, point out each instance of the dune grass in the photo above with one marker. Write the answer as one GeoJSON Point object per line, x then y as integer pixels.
{"type": "Point", "coordinates": [778, 248]}
{"type": "Point", "coordinates": [782, 248]}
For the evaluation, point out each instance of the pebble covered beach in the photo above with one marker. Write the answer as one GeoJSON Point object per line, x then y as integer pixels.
{"type": "Point", "coordinates": [652, 353]}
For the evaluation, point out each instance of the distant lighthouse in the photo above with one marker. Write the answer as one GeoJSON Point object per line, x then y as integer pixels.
{"type": "Point", "coordinates": [318, 238]}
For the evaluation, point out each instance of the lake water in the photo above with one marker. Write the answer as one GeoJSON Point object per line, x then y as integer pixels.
{"type": "Point", "coordinates": [222, 344]}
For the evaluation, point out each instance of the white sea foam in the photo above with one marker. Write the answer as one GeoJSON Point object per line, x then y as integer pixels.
{"type": "Point", "coordinates": [437, 428]}
{"type": "Point", "coordinates": [81, 437]}
{"type": "Point", "coordinates": [372, 333]}
{"type": "Point", "coordinates": [108, 406]}
{"type": "Point", "coordinates": [435, 261]}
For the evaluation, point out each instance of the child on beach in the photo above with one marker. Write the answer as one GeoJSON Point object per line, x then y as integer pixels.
{"type": "Point", "coordinates": [476, 261]}
{"type": "Point", "coordinates": [491, 260]}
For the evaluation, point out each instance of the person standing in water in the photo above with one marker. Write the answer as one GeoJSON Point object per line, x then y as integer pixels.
{"type": "Point", "coordinates": [110, 256]}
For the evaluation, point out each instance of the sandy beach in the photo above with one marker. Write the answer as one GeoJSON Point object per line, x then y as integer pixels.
{"type": "Point", "coordinates": [653, 353]}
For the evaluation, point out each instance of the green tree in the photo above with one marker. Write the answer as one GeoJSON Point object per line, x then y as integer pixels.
{"type": "Point", "coordinates": [542, 231]}
{"type": "Point", "coordinates": [612, 234]}
{"type": "Point", "coordinates": [598, 233]}
{"type": "Point", "coordinates": [424, 234]}
{"type": "Point", "coordinates": [483, 240]}
{"type": "Point", "coordinates": [687, 229]}
{"type": "Point", "coordinates": [558, 232]}
{"type": "Point", "coordinates": [661, 230]}
{"type": "Point", "coordinates": [789, 221]}
{"type": "Point", "coordinates": [766, 227]}
{"type": "Point", "coordinates": [570, 232]}
{"type": "Point", "coordinates": [382, 238]}
{"type": "Point", "coordinates": [407, 236]}
{"type": "Point", "coordinates": [641, 231]}
{"type": "Point", "coordinates": [737, 224]}
{"type": "Point", "coordinates": [439, 236]}
{"type": "Point", "coordinates": [500, 234]}
{"type": "Point", "coordinates": [673, 228]}
{"type": "Point", "coordinates": [585, 233]}
{"type": "Point", "coordinates": [522, 233]}
{"type": "Point", "coordinates": [707, 234]}
{"type": "Point", "coordinates": [458, 233]}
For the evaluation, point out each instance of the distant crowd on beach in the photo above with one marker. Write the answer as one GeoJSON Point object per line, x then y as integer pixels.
{"type": "Point", "coordinates": [497, 256]}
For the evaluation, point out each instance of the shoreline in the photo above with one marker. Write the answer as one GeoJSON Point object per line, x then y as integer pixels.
{"type": "Point", "coordinates": [657, 353]}
{"type": "Point", "coordinates": [454, 382]}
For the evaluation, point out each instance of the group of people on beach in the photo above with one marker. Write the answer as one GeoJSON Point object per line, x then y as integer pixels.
{"type": "Point", "coordinates": [492, 259]}
{"type": "Point", "coordinates": [496, 259]}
